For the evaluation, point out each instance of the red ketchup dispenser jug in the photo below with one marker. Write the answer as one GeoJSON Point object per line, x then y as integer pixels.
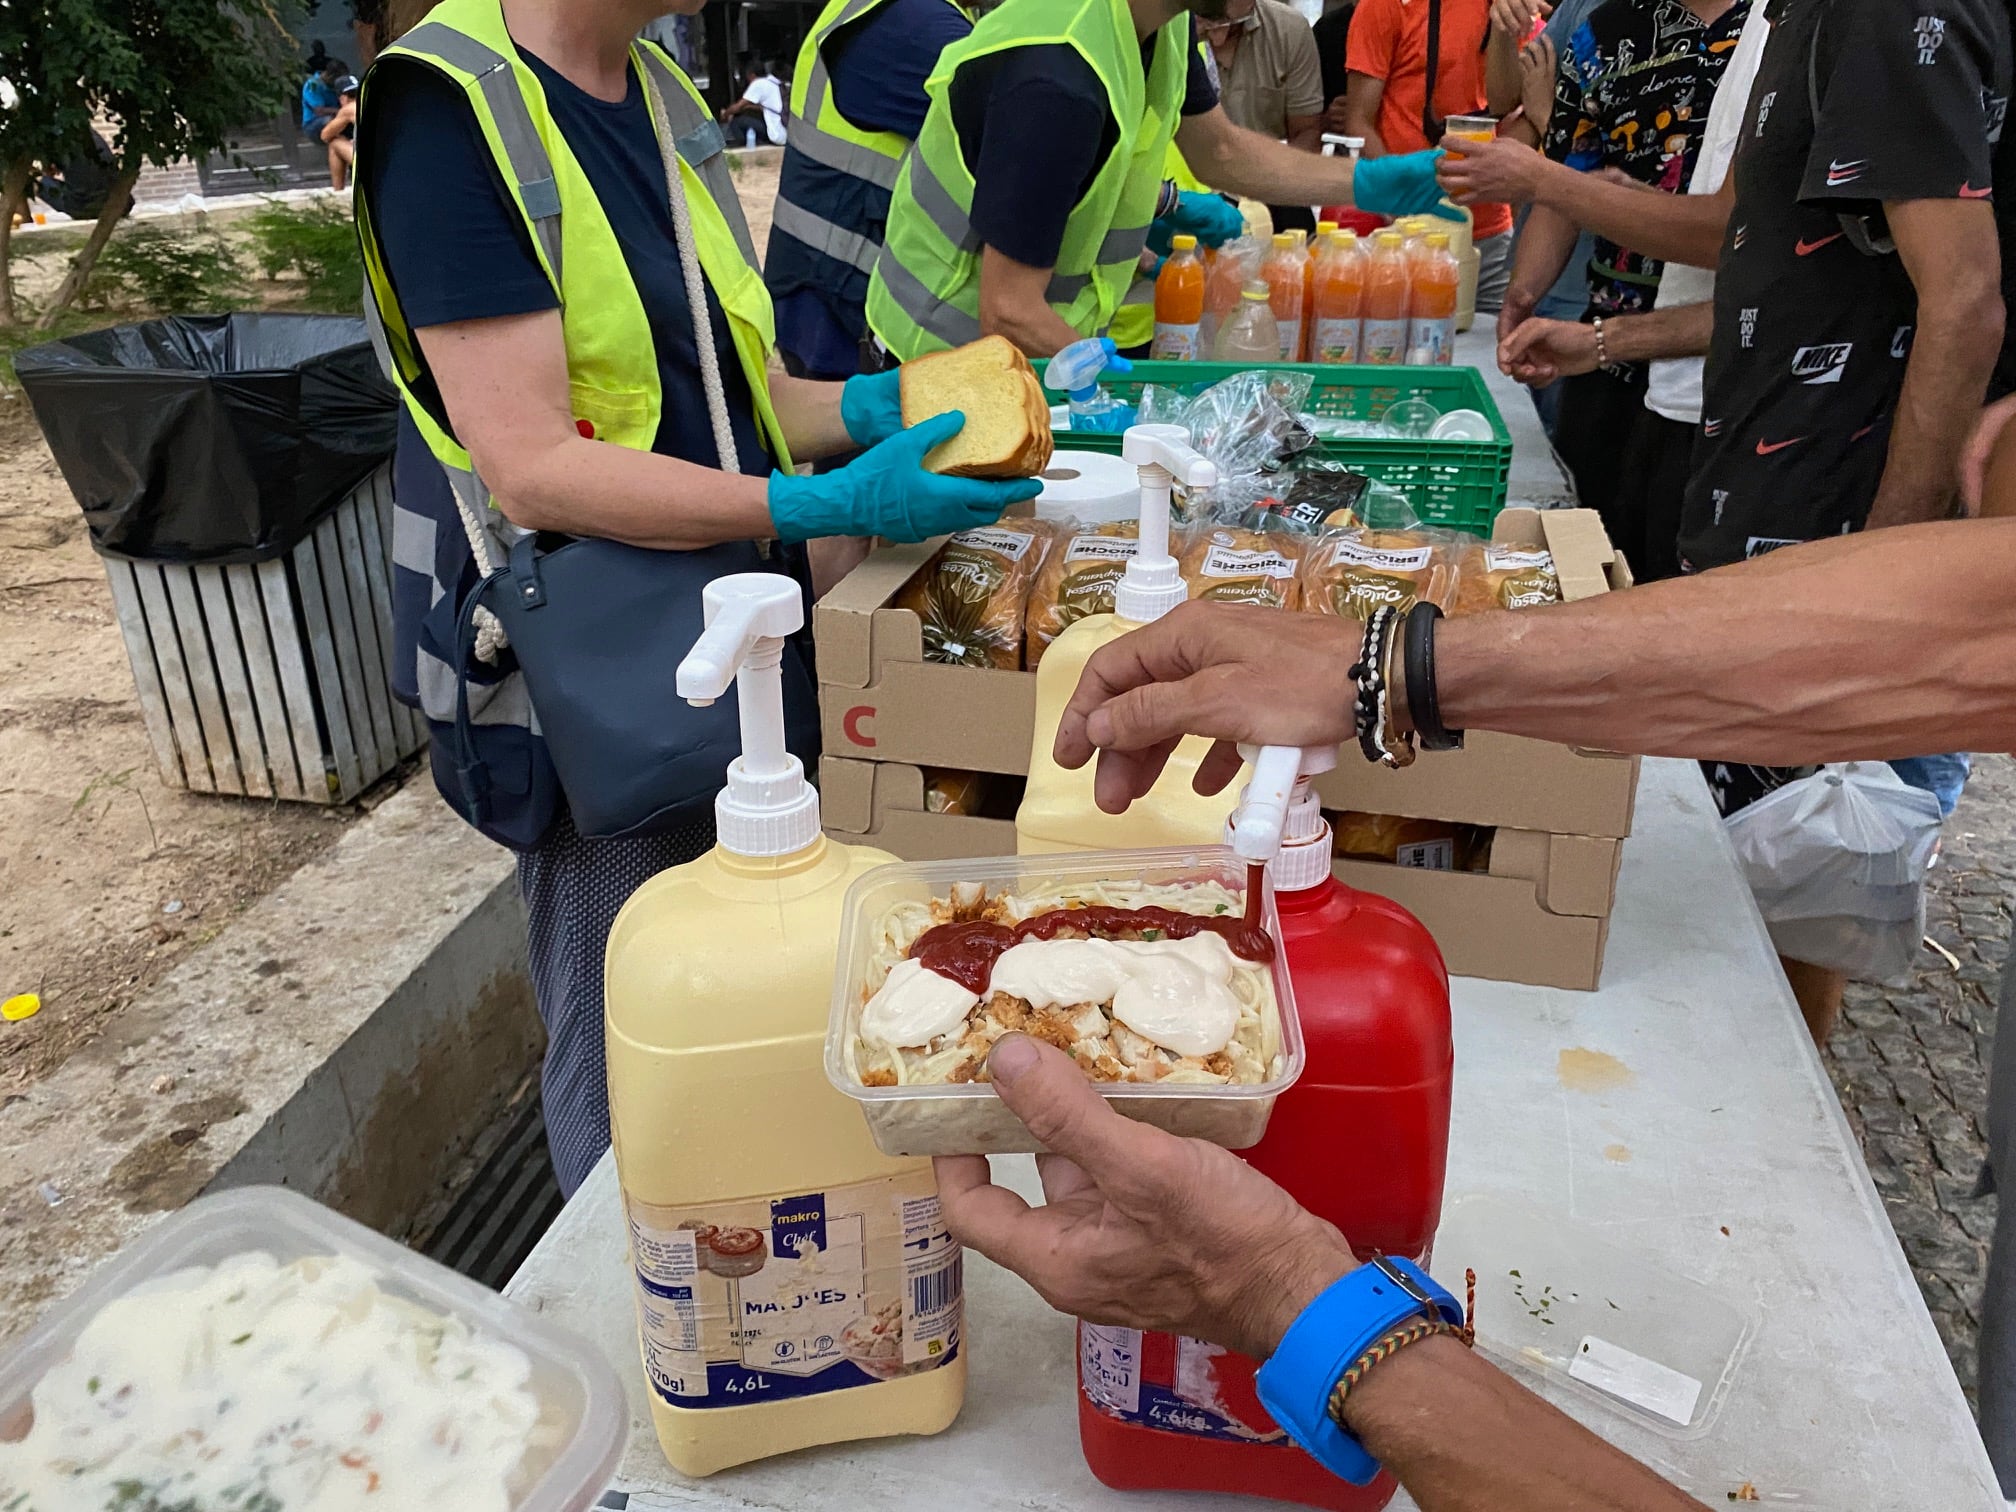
{"type": "Point", "coordinates": [1362, 1140]}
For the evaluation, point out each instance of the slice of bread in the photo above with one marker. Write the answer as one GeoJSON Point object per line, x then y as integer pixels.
{"type": "Point", "coordinates": [1007, 432]}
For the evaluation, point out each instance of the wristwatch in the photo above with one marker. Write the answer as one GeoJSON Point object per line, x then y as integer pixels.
{"type": "Point", "coordinates": [1332, 1334]}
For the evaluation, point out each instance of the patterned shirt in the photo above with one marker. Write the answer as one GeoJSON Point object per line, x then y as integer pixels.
{"type": "Point", "coordinates": [1632, 92]}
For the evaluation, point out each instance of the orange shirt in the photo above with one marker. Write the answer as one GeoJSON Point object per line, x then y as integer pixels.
{"type": "Point", "coordinates": [1389, 41]}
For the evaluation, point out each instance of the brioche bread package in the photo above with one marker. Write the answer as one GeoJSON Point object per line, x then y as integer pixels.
{"type": "Point", "coordinates": [970, 595]}
{"type": "Point", "coordinates": [990, 382]}
{"type": "Point", "coordinates": [1351, 573]}
{"type": "Point", "coordinates": [1233, 566]}
{"type": "Point", "coordinates": [1078, 578]}
{"type": "Point", "coordinates": [1432, 844]}
{"type": "Point", "coordinates": [1494, 576]}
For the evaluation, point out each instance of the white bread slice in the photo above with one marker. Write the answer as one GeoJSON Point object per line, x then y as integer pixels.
{"type": "Point", "coordinates": [1007, 432]}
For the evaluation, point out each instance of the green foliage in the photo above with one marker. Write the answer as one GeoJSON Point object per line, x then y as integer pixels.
{"type": "Point", "coordinates": [317, 243]}
{"type": "Point", "coordinates": [168, 272]}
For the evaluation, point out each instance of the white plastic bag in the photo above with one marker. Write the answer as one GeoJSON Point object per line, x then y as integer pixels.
{"type": "Point", "coordinates": [1837, 862]}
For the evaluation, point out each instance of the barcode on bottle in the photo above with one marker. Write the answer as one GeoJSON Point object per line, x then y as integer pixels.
{"type": "Point", "coordinates": [936, 1290]}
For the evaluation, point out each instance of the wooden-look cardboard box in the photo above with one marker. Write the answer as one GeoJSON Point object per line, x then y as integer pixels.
{"type": "Point", "coordinates": [881, 701]}
{"type": "Point", "coordinates": [1540, 915]}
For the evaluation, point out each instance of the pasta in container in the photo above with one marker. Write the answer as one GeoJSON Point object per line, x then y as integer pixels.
{"type": "Point", "coordinates": [1142, 965]}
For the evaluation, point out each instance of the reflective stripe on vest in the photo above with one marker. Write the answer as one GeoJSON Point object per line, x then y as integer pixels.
{"type": "Point", "coordinates": [612, 363]}
{"type": "Point", "coordinates": [925, 292]}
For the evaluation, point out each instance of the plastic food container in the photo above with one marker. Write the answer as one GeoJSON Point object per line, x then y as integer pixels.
{"type": "Point", "coordinates": [1611, 1324]}
{"type": "Point", "coordinates": [577, 1390]}
{"type": "Point", "coordinates": [970, 1119]}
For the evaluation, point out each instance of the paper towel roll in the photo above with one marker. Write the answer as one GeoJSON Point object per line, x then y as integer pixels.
{"type": "Point", "coordinates": [1090, 487]}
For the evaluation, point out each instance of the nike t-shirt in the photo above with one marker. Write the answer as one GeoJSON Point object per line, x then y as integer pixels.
{"type": "Point", "coordinates": [1811, 333]}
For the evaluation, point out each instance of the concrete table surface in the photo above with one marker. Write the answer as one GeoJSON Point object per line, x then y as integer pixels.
{"type": "Point", "coordinates": [1741, 1175]}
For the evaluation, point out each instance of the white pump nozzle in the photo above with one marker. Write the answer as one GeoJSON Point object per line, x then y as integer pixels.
{"type": "Point", "coordinates": [767, 807]}
{"type": "Point", "coordinates": [1278, 821]}
{"type": "Point", "coordinates": [1163, 457]}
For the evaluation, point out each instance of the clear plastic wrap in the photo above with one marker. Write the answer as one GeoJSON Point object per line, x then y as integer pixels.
{"type": "Point", "coordinates": [1352, 572]}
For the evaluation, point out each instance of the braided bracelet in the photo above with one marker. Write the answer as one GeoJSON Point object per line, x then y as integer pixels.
{"type": "Point", "coordinates": [1406, 1334]}
{"type": "Point", "coordinates": [1372, 715]}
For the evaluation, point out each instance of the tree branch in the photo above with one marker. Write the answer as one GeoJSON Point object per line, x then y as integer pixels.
{"type": "Point", "coordinates": [116, 205]}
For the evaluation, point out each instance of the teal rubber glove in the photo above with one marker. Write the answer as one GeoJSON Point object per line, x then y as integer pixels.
{"type": "Point", "coordinates": [886, 492]}
{"type": "Point", "coordinates": [1211, 218]}
{"type": "Point", "coordinates": [871, 406]}
{"type": "Point", "coordinates": [1403, 184]}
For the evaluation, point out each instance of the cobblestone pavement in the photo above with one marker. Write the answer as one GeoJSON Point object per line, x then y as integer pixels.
{"type": "Point", "coordinates": [1911, 1064]}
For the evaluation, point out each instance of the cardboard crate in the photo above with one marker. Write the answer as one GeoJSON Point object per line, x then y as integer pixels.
{"type": "Point", "coordinates": [881, 701]}
{"type": "Point", "coordinates": [1541, 915]}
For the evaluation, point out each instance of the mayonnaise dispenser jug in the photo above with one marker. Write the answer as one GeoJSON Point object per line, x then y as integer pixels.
{"type": "Point", "coordinates": [794, 1286]}
{"type": "Point", "coordinates": [1058, 812]}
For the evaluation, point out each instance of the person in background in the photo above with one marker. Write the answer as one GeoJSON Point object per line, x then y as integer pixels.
{"type": "Point", "coordinates": [1633, 95]}
{"type": "Point", "coordinates": [857, 103]}
{"type": "Point", "coordinates": [1043, 162]}
{"type": "Point", "coordinates": [1270, 80]}
{"type": "Point", "coordinates": [320, 96]}
{"type": "Point", "coordinates": [1389, 99]}
{"type": "Point", "coordinates": [339, 134]}
{"type": "Point", "coordinates": [1333, 35]}
{"type": "Point", "coordinates": [757, 117]}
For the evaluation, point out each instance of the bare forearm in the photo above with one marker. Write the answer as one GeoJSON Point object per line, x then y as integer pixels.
{"type": "Point", "coordinates": [589, 488]}
{"type": "Point", "coordinates": [1868, 646]}
{"type": "Point", "coordinates": [1461, 1436]}
{"type": "Point", "coordinates": [1685, 228]}
{"type": "Point", "coordinates": [1952, 354]}
{"type": "Point", "coordinates": [809, 413]}
{"type": "Point", "coordinates": [1679, 331]}
{"type": "Point", "coordinates": [1542, 251]}
{"type": "Point", "coordinates": [1032, 325]}
{"type": "Point", "coordinates": [1501, 73]}
{"type": "Point", "coordinates": [1253, 166]}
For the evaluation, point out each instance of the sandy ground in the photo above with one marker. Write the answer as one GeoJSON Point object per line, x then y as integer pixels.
{"type": "Point", "coordinates": [107, 875]}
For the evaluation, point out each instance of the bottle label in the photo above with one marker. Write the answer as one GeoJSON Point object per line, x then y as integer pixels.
{"type": "Point", "coordinates": [1335, 340]}
{"type": "Point", "coordinates": [1101, 548]}
{"type": "Point", "coordinates": [1427, 855]}
{"type": "Point", "coordinates": [1385, 340]}
{"type": "Point", "coordinates": [1291, 335]}
{"type": "Point", "coordinates": [1226, 562]}
{"type": "Point", "coordinates": [1431, 343]}
{"type": "Point", "coordinates": [1012, 544]}
{"type": "Point", "coordinates": [1383, 559]}
{"type": "Point", "coordinates": [1175, 343]}
{"type": "Point", "coordinates": [766, 1300]}
{"type": "Point", "coordinates": [1517, 558]}
{"type": "Point", "coordinates": [1173, 1384]}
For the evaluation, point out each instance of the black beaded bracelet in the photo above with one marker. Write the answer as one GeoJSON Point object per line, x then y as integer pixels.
{"type": "Point", "coordinates": [1424, 707]}
{"type": "Point", "coordinates": [1371, 722]}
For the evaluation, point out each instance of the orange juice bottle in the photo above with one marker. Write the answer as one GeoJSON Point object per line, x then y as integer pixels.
{"type": "Point", "coordinates": [1179, 303]}
{"type": "Point", "coordinates": [1337, 329]}
{"type": "Point", "coordinates": [1431, 312]}
{"type": "Point", "coordinates": [1386, 281]}
{"type": "Point", "coordinates": [1285, 272]}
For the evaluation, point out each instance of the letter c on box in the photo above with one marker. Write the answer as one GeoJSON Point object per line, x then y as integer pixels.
{"type": "Point", "coordinates": [854, 721]}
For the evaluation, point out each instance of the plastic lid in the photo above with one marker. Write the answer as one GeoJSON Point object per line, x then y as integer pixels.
{"type": "Point", "coordinates": [1390, 239]}
{"type": "Point", "coordinates": [1303, 861]}
{"type": "Point", "coordinates": [767, 807]}
{"type": "Point", "coordinates": [1324, 228]}
{"type": "Point", "coordinates": [1278, 819]}
{"type": "Point", "coordinates": [1183, 243]}
{"type": "Point", "coordinates": [1284, 239]}
{"type": "Point", "coordinates": [1438, 240]}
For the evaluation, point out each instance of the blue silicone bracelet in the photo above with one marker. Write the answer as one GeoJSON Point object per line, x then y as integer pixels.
{"type": "Point", "coordinates": [1327, 1339]}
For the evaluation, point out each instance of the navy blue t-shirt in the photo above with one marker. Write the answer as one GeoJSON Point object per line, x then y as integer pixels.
{"type": "Point", "coordinates": [457, 248]}
{"type": "Point", "coordinates": [877, 67]}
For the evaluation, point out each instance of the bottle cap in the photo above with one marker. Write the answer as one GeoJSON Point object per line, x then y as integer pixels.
{"type": "Point", "coordinates": [1324, 228]}
{"type": "Point", "coordinates": [1183, 243]}
{"type": "Point", "coordinates": [767, 807]}
{"type": "Point", "coordinates": [1279, 820]}
{"type": "Point", "coordinates": [1076, 369]}
{"type": "Point", "coordinates": [1284, 239]}
{"type": "Point", "coordinates": [1439, 240]}
{"type": "Point", "coordinates": [1152, 585]}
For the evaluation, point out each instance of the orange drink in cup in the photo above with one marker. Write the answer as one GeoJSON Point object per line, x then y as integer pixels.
{"type": "Point", "coordinates": [1459, 129]}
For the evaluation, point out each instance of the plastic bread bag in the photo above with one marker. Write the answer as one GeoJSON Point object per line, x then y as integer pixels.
{"type": "Point", "coordinates": [970, 595]}
{"type": "Point", "coordinates": [1837, 863]}
{"type": "Point", "coordinates": [1431, 844]}
{"type": "Point", "coordinates": [1352, 572]}
{"type": "Point", "coordinates": [1232, 566]}
{"type": "Point", "coordinates": [1493, 576]}
{"type": "Point", "coordinates": [1249, 425]}
{"type": "Point", "coordinates": [948, 791]}
{"type": "Point", "coordinates": [1077, 578]}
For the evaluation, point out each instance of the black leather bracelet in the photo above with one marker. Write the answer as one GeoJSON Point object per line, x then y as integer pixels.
{"type": "Point", "coordinates": [1424, 706]}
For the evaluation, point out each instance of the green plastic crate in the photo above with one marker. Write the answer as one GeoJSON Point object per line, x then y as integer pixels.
{"type": "Point", "coordinates": [1460, 484]}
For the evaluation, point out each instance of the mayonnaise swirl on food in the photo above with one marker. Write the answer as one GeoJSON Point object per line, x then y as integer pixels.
{"type": "Point", "coordinates": [913, 1007]}
{"type": "Point", "coordinates": [1173, 993]}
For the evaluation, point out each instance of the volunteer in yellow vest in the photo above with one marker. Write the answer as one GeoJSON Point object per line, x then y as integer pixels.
{"type": "Point", "coordinates": [1026, 203]}
{"type": "Point", "coordinates": [540, 282]}
{"type": "Point", "coordinates": [857, 103]}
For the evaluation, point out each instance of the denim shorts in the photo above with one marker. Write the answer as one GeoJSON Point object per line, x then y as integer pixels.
{"type": "Point", "coordinates": [1944, 777]}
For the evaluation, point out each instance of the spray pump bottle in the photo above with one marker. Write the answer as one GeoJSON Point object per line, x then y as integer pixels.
{"type": "Point", "coordinates": [1076, 370]}
{"type": "Point", "coordinates": [1058, 812]}
{"type": "Point", "coordinates": [775, 1249]}
{"type": "Point", "coordinates": [1361, 1140]}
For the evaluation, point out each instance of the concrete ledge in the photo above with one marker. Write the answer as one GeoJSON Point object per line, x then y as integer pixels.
{"type": "Point", "coordinates": [349, 1036]}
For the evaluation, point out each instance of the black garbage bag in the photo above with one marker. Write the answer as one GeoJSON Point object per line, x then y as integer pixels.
{"type": "Point", "coordinates": [212, 438]}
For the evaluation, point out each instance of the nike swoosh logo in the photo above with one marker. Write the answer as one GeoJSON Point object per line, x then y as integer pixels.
{"type": "Point", "coordinates": [1968, 191]}
{"type": "Point", "coordinates": [1711, 427]}
{"type": "Point", "coordinates": [1808, 248]}
{"type": "Point", "coordinates": [1765, 448]}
